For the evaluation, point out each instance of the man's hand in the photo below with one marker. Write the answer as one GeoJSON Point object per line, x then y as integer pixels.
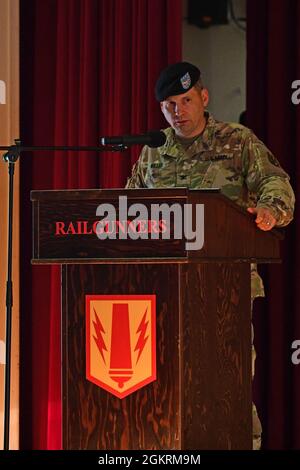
{"type": "Point", "coordinates": [265, 220]}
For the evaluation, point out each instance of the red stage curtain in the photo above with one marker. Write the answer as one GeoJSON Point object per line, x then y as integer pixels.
{"type": "Point", "coordinates": [88, 68]}
{"type": "Point", "coordinates": [273, 63]}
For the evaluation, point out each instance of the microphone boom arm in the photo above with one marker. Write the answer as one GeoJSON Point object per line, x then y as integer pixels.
{"type": "Point", "coordinates": [13, 151]}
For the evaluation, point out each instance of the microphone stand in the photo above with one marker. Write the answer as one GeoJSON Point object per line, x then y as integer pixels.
{"type": "Point", "coordinates": [11, 157]}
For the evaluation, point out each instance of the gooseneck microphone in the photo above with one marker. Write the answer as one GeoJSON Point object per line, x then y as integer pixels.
{"type": "Point", "coordinates": [152, 139]}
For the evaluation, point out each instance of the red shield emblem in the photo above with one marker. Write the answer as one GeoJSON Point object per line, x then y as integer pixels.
{"type": "Point", "coordinates": [120, 342]}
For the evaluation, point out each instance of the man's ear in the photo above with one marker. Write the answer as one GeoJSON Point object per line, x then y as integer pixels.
{"type": "Point", "coordinates": [205, 96]}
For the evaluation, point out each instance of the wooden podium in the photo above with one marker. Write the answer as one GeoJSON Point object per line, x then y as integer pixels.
{"type": "Point", "coordinates": [201, 397]}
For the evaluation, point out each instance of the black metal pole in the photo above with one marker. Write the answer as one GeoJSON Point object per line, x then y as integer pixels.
{"type": "Point", "coordinates": [9, 299]}
{"type": "Point", "coordinates": [102, 148]}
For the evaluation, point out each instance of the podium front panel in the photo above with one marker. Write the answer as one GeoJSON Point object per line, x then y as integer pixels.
{"type": "Point", "coordinates": [201, 398]}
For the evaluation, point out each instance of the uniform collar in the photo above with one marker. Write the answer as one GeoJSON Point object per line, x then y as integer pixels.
{"type": "Point", "coordinates": [204, 141]}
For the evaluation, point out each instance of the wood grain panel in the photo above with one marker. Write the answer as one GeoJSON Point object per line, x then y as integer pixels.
{"type": "Point", "coordinates": [81, 246]}
{"type": "Point", "coordinates": [216, 356]}
{"type": "Point", "coordinates": [202, 396]}
{"type": "Point", "coordinates": [229, 231]}
{"type": "Point", "coordinates": [93, 418]}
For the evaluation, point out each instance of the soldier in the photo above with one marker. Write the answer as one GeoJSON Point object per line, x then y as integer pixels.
{"type": "Point", "coordinates": [201, 152]}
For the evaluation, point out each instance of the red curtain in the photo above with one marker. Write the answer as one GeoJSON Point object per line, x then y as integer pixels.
{"type": "Point", "coordinates": [273, 63]}
{"type": "Point", "coordinates": [88, 69]}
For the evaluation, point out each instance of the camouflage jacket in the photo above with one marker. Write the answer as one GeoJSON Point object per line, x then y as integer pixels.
{"type": "Point", "coordinates": [226, 156]}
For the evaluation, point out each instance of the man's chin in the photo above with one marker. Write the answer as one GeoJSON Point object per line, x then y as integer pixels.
{"type": "Point", "coordinates": [182, 131]}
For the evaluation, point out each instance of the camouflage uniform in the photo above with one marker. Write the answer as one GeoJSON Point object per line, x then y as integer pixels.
{"type": "Point", "coordinates": [226, 156]}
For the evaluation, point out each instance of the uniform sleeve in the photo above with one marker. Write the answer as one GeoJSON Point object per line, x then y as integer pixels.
{"type": "Point", "coordinates": [265, 177]}
{"type": "Point", "coordinates": [136, 180]}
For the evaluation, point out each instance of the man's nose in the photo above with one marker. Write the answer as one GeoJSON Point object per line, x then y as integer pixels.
{"type": "Point", "coordinates": [178, 109]}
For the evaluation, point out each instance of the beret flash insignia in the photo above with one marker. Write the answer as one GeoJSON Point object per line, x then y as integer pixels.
{"type": "Point", "coordinates": [186, 81]}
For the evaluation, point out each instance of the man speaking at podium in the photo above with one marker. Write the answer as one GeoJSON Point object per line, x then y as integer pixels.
{"type": "Point", "coordinates": [201, 152]}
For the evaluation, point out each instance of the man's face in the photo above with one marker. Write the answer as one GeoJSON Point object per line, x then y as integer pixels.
{"type": "Point", "coordinates": [185, 113]}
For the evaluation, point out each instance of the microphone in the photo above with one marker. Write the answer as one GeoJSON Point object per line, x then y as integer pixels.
{"type": "Point", "coordinates": [152, 139]}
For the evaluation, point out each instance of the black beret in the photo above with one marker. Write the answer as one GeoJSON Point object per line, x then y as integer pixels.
{"type": "Point", "coordinates": [176, 79]}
